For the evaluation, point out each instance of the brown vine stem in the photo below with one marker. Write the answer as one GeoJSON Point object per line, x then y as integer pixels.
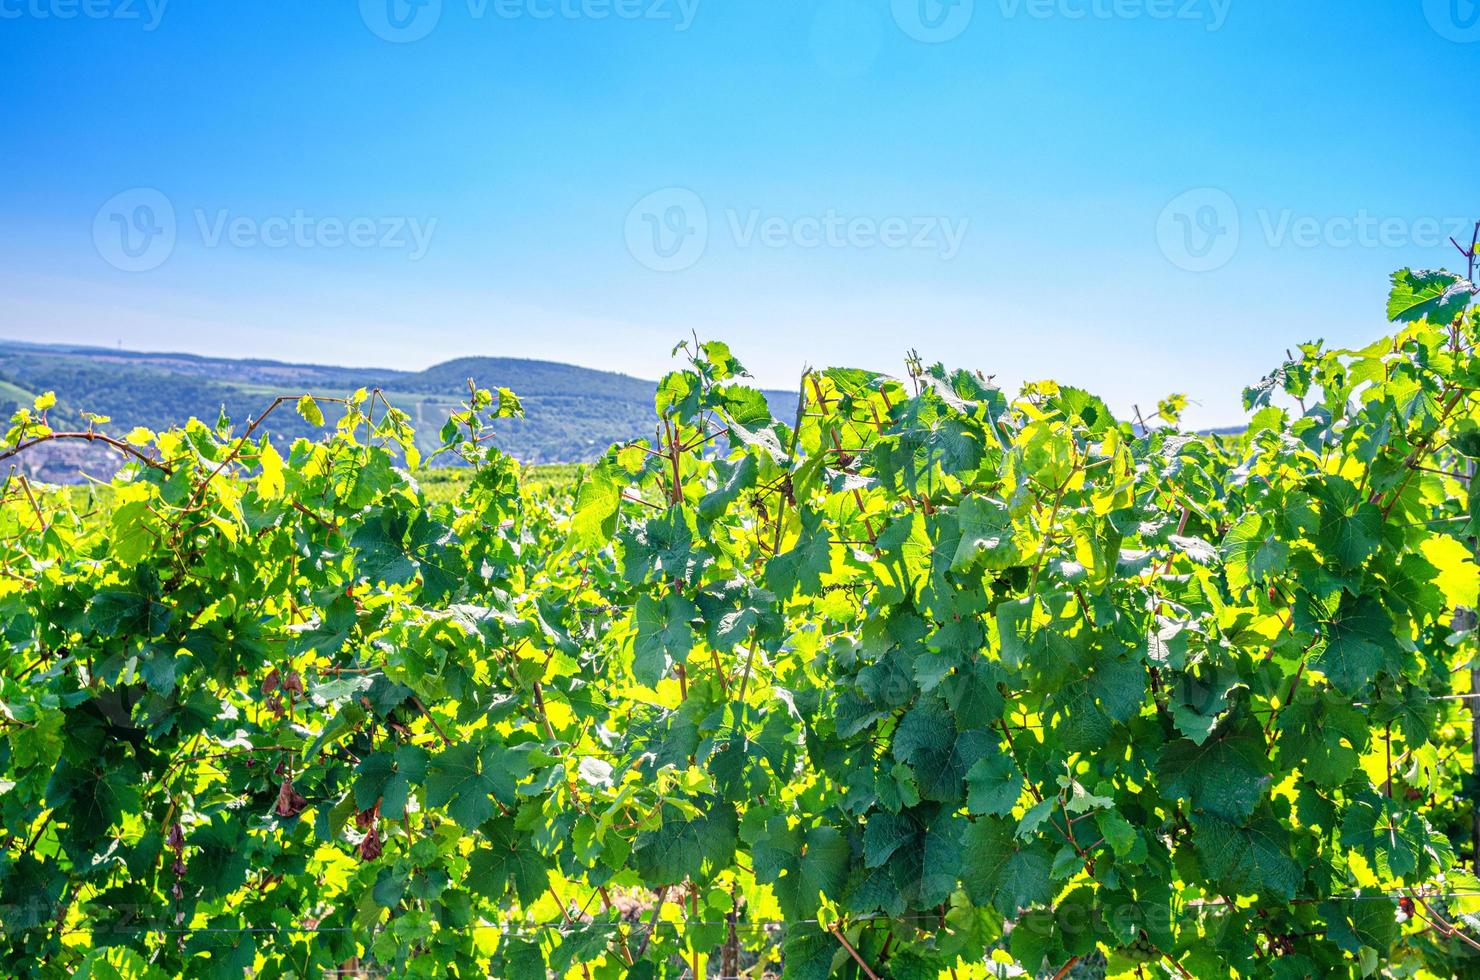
{"type": "Point", "coordinates": [606, 901]}
{"type": "Point", "coordinates": [653, 927]}
{"type": "Point", "coordinates": [1289, 696]}
{"type": "Point", "coordinates": [676, 494]}
{"type": "Point", "coordinates": [701, 440]}
{"type": "Point", "coordinates": [1388, 742]}
{"type": "Point", "coordinates": [1445, 927]}
{"type": "Point", "coordinates": [638, 500]}
{"type": "Point", "coordinates": [242, 442]}
{"type": "Point", "coordinates": [117, 444]}
{"type": "Point", "coordinates": [1047, 536]}
{"type": "Point", "coordinates": [1064, 970]}
{"type": "Point", "coordinates": [25, 485]}
{"type": "Point", "coordinates": [719, 671]}
{"type": "Point", "coordinates": [330, 525]}
{"type": "Point", "coordinates": [784, 487]}
{"type": "Point", "coordinates": [447, 742]}
{"type": "Point", "coordinates": [873, 538]}
{"type": "Point", "coordinates": [1181, 529]}
{"type": "Point", "coordinates": [1418, 453]}
{"type": "Point", "coordinates": [853, 953]}
{"type": "Point", "coordinates": [539, 702]}
{"type": "Point", "coordinates": [749, 663]}
{"type": "Point", "coordinates": [36, 838]}
{"type": "Point", "coordinates": [694, 905]}
{"type": "Point", "coordinates": [1181, 970]}
{"type": "Point", "coordinates": [1471, 253]}
{"type": "Point", "coordinates": [564, 912]}
{"type": "Point", "coordinates": [1007, 732]}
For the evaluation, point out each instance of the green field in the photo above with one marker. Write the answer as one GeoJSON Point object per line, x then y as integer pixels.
{"type": "Point", "coordinates": [447, 483]}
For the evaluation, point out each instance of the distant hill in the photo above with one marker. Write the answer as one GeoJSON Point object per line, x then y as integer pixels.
{"type": "Point", "coordinates": [572, 413]}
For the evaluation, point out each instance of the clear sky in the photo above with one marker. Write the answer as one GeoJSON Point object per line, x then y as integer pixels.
{"type": "Point", "coordinates": [1137, 196]}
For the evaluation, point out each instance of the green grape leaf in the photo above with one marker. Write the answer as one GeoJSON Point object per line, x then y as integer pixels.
{"type": "Point", "coordinates": [1000, 871]}
{"type": "Point", "coordinates": [803, 566]}
{"type": "Point", "coordinates": [1357, 637]}
{"type": "Point", "coordinates": [1225, 776]}
{"type": "Point", "coordinates": [507, 861]}
{"type": "Point", "coordinates": [696, 846]}
{"type": "Point", "coordinates": [466, 779]}
{"type": "Point", "coordinates": [387, 778]}
{"type": "Point", "coordinates": [1437, 297]}
{"type": "Point", "coordinates": [993, 785]}
{"type": "Point", "coordinates": [664, 636]}
{"type": "Point", "coordinates": [940, 756]}
{"type": "Point", "coordinates": [1248, 859]}
{"type": "Point", "coordinates": [802, 867]}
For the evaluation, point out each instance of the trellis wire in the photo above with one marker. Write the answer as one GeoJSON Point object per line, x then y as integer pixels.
{"type": "Point", "coordinates": [564, 928]}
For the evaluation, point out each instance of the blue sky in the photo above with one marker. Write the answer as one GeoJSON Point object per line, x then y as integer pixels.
{"type": "Point", "coordinates": [1136, 196]}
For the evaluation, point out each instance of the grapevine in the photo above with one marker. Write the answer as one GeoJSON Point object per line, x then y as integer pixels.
{"type": "Point", "coordinates": [925, 681]}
